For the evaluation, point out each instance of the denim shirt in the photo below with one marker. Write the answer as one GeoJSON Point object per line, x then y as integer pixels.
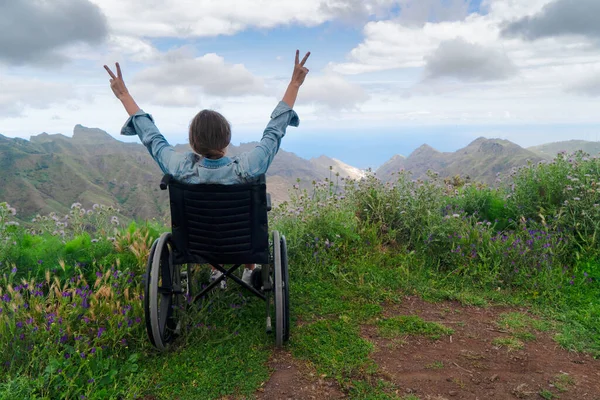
{"type": "Point", "coordinates": [192, 168]}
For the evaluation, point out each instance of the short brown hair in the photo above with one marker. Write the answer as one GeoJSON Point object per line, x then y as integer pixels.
{"type": "Point", "coordinates": [210, 134]}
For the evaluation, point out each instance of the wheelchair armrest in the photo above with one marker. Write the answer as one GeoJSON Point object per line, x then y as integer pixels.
{"type": "Point", "coordinates": [164, 183]}
{"type": "Point", "coordinates": [268, 201]}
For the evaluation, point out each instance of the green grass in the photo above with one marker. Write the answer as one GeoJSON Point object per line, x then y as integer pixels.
{"type": "Point", "coordinates": [509, 343]}
{"type": "Point", "coordinates": [335, 348]}
{"type": "Point", "coordinates": [563, 381]}
{"type": "Point", "coordinates": [435, 365]}
{"type": "Point", "coordinates": [351, 261]}
{"type": "Point", "coordinates": [548, 395]}
{"type": "Point", "coordinates": [411, 325]}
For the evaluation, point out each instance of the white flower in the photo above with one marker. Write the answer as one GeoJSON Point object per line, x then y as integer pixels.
{"type": "Point", "coordinates": [95, 206]}
{"type": "Point", "coordinates": [94, 240]}
{"type": "Point", "coordinates": [76, 205]}
{"type": "Point", "coordinates": [456, 215]}
{"type": "Point", "coordinates": [12, 223]}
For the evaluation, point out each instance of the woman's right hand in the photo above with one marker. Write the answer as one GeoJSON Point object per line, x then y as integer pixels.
{"type": "Point", "coordinates": [300, 70]}
{"type": "Point", "coordinates": [116, 82]}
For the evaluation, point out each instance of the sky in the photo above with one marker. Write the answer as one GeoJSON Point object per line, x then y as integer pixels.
{"type": "Point", "coordinates": [385, 75]}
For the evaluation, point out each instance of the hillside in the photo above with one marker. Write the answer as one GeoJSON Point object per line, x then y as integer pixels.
{"type": "Point", "coordinates": [50, 172]}
{"type": "Point", "coordinates": [481, 161]}
{"type": "Point", "coordinates": [548, 151]}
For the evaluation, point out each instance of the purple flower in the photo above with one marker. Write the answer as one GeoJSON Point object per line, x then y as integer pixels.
{"type": "Point", "coordinates": [67, 356]}
{"type": "Point", "coordinates": [82, 355]}
{"type": "Point", "coordinates": [99, 274]}
{"type": "Point", "coordinates": [14, 270]}
{"type": "Point", "coordinates": [93, 350]}
{"type": "Point", "coordinates": [64, 338]}
{"type": "Point", "coordinates": [100, 330]}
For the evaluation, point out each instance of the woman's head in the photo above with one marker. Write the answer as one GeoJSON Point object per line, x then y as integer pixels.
{"type": "Point", "coordinates": [210, 134]}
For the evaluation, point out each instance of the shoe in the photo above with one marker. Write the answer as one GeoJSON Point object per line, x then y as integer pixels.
{"type": "Point", "coordinates": [215, 274]}
{"type": "Point", "coordinates": [247, 276]}
{"type": "Point", "coordinates": [256, 278]}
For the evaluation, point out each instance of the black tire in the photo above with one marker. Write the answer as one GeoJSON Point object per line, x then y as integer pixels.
{"type": "Point", "coordinates": [278, 289]}
{"type": "Point", "coordinates": [286, 290]}
{"type": "Point", "coordinates": [146, 282]}
{"type": "Point", "coordinates": [165, 295]}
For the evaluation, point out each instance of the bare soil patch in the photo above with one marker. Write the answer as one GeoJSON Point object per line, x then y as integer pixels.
{"type": "Point", "coordinates": [470, 365]}
{"type": "Point", "coordinates": [292, 379]}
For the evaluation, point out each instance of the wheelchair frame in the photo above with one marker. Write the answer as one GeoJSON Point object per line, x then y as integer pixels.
{"type": "Point", "coordinates": [216, 225]}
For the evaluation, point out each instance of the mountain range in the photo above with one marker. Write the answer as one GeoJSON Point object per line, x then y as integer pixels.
{"type": "Point", "coordinates": [50, 172]}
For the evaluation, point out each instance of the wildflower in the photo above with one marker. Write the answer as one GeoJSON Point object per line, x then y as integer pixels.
{"type": "Point", "coordinates": [67, 356]}
{"type": "Point", "coordinates": [93, 350]}
{"type": "Point", "coordinates": [576, 198]}
{"type": "Point", "coordinates": [82, 355]}
{"type": "Point", "coordinates": [75, 205]}
{"type": "Point", "coordinates": [14, 270]}
{"type": "Point", "coordinates": [100, 330]}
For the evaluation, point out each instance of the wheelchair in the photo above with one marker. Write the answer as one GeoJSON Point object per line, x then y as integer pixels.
{"type": "Point", "coordinates": [217, 225]}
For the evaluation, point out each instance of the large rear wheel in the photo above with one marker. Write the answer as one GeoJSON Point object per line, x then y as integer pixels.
{"type": "Point", "coordinates": [165, 294]}
{"type": "Point", "coordinates": [281, 289]}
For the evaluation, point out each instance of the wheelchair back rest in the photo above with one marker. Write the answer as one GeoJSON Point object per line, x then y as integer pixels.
{"type": "Point", "coordinates": [225, 224]}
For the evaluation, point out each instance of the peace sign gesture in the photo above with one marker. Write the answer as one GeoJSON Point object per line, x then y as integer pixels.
{"type": "Point", "coordinates": [300, 70]}
{"type": "Point", "coordinates": [116, 82]}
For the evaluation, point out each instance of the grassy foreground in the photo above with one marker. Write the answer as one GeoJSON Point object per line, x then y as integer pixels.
{"type": "Point", "coordinates": [71, 318]}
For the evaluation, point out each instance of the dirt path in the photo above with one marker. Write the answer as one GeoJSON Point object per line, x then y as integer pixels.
{"type": "Point", "coordinates": [469, 364]}
{"type": "Point", "coordinates": [292, 380]}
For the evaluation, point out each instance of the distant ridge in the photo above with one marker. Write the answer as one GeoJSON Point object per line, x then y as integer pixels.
{"type": "Point", "coordinates": [550, 150]}
{"type": "Point", "coordinates": [480, 161]}
{"type": "Point", "coordinates": [49, 172]}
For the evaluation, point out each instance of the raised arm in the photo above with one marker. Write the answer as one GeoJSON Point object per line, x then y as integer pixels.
{"type": "Point", "coordinates": [297, 80]}
{"type": "Point", "coordinates": [120, 90]}
{"type": "Point", "coordinates": [142, 125]}
{"type": "Point", "coordinates": [257, 161]}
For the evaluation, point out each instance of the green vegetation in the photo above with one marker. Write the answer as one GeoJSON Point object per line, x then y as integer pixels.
{"type": "Point", "coordinates": [71, 318]}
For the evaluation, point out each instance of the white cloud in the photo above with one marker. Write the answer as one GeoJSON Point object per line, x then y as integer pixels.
{"type": "Point", "coordinates": [558, 18]}
{"type": "Point", "coordinates": [587, 82]}
{"type": "Point", "coordinates": [468, 62]}
{"type": "Point", "coordinates": [180, 78]}
{"type": "Point", "coordinates": [17, 94]}
{"type": "Point", "coordinates": [35, 31]}
{"type": "Point", "coordinates": [198, 18]}
{"type": "Point", "coordinates": [333, 92]}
